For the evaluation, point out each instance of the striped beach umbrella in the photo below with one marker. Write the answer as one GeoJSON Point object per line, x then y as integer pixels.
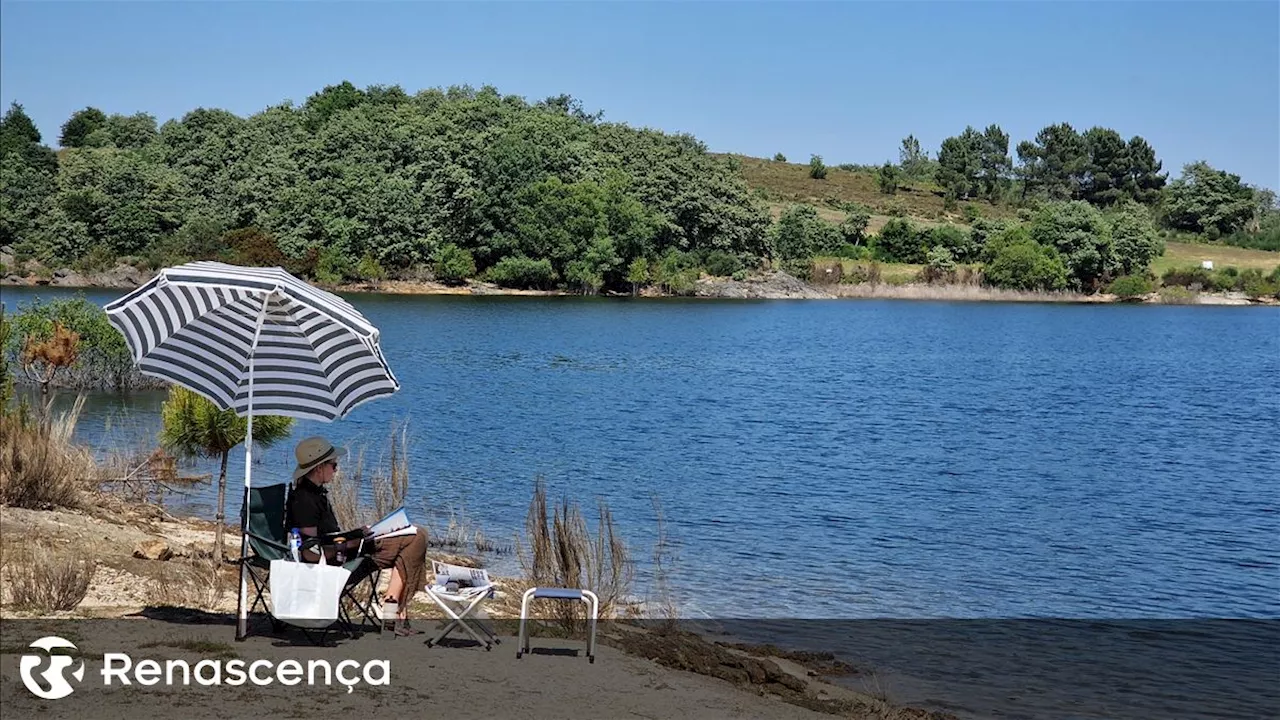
{"type": "Point", "coordinates": [256, 340]}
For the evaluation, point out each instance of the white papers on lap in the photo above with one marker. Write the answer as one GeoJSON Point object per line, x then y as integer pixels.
{"type": "Point", "coordinates": [393, 525]}
{"type": "Point", "coordinates": [397, 533]}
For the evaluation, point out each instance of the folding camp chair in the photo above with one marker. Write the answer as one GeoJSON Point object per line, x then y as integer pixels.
{"type": "Point", "coordinates": [268, 540]}
{"type": "Point", "coordinates": [455, 585]}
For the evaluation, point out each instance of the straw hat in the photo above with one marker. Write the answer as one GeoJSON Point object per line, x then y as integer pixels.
{"type": "Point", "coordinates": [311, 453]}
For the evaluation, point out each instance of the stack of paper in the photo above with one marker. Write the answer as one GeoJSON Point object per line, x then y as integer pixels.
{"type": "Point", "coordinates": [393, 525]}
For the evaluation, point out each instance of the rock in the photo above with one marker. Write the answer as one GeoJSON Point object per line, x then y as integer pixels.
{"type": "Point", "coordinates": [70, 278]}
{"type": "Point", "coordinates": [778, 285]}
{"type": "Point", "coordinates": [153, 550]}
{"type": "Point", "coordinates": [14, 279]}
{"type": "Point", "coordinates": [121, 276]}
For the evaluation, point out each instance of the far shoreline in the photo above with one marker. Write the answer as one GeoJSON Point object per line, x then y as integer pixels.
{"type": "Point", "coordinates": [772, 286]}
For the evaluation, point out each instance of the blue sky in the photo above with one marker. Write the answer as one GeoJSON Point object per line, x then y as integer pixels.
{"type": "Point", "coordinates": [846, 80]}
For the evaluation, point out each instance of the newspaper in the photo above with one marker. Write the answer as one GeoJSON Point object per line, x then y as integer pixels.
{"type": "Point", "coordinates": [466, 577]}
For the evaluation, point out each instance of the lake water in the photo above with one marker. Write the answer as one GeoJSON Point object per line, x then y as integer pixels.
{"type": "Point", "coordinates": [845, 459]}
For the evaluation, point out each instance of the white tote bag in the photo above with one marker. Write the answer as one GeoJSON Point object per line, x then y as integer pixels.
{"type": "Point", "coordinates": [306, 594]}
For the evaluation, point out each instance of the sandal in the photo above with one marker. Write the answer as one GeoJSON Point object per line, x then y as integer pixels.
{"type": "Point", "coordinates": [406, 631]}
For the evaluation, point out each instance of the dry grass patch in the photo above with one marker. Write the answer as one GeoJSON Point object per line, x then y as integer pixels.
{"type": "Point", "coordinates": [202, 583]}
{"type": "Point", "coordinates": [44, 578]}
{"type": "Point", "coordinates": [40, 468]}
{"type": "Point", "coordinates": [1179, 254]}
{"type": "Point", "coordinates": [781, 183]}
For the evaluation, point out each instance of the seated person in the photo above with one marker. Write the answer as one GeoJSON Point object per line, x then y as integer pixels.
{"type": "Point", "coordinates": [309, 510]}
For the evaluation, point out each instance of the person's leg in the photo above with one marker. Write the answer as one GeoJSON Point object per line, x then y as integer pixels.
{"type": "Point", "coordinates": [411, 564]}
{"type": "Point", "coordinates": [406, 556]}
{"type": "Point", "coordinates": [395, 586]}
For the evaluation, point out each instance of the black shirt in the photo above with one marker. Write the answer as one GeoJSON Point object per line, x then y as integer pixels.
{"type": "Point", "coordinates": [309, 507]}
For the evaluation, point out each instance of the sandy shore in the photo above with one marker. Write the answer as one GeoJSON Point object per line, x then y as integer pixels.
{"type": "Point", "coordinates": [182, 607]}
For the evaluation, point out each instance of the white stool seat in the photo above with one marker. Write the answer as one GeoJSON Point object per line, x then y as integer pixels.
{"type": "Point", "coordinates": [557, 593]}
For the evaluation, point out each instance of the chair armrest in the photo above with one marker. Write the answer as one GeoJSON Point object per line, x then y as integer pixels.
{"type": "Point", "coordinates": [268, 541]}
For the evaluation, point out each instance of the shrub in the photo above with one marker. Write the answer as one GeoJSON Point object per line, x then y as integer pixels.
{"type": "Point", "coordinates": [1026, 265]}
{"type": "Point", "coordinates": [722, 264]}
{"type": "Point", "coordinates": [972, 213]}
{"type": "Point", "coordinates": [1225, 279]}
{"type": "Point", "coordinates": [99, 258]}
{"type": "Point", "coordinates": [899, 241]}
{"type": "Point", "coordinates": [1191, 278]}
{"type": "Point", "coordinates": [853, 252]}
{"type": "Point", "coordinates": [676, 273]}
{"type": "Point", "coordinates": [941, 264]}
{"type": "Point", "coordinates": [1266, 239]}
{"type": "Point", "coordinates": [779, 157]}
{"type": "Point", "coordinates": [1130, 287]}
{"type": "Point", "coordinates": [887, 178]}
{"type": "Point", "coordinates": [956, 240]}
{"type": "Point", "coordinates": [826, 272]}
{"type": "Point", "coordinates": [370, 269]}
{"type": "Point", "coordinates": [1176, 295]}
{"type": "Point", "coordinates": [1255, 285]}
{"type": "Point", "coordinates": [333, 266]}
{"type": "Point", "coordinates": [740, 275]}
{"type": "Point", "coordinates": [518, 271]}
{"type": "Point", "coordinates": [453, 265]}
{"type": "Point", "coordinates": [817, 170]}
{"type": "Point", "coordinates": [103, 359]}
{"type": "Point", "coordinates": [800, 234]}
{"type": "Point", "coordinates": [40, 468]}
{"type": "Point", "coordinates": [868, 272]}
{"type": "Point", "coordinates": [254, 248]}
{"type": "Point", "coordinates": [894, 208]}
{"type": "Point", "coordinates": [45, 578]}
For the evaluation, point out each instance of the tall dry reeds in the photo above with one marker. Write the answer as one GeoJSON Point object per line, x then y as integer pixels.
{"type": "Point", "coordinates": [662, 599]}
{"type": "Point", "coordinates": [562, 551]}
{"type": "Point", "coordinates": [388, 481]}
{"type": "Point", "coordinates": [40, 467]}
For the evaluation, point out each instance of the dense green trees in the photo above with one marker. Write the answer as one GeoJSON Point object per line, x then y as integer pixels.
{"type": "Point", "coordinates": [975, 163]}
{"type": "Point", "coordinates": [1097, 166]}
{"type": "Point", "coordinates": [464, 183]}
{"type": "Point", "coordinates": [384, 180]}
{"type": "Point", "coordinates": [1210, 201]}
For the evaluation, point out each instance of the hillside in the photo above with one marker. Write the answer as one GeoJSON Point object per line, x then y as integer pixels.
{"type": "Point", "coordinates": [782, 183]}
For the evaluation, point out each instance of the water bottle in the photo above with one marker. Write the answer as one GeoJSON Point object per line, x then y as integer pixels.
{"type": "Point", "coordinates": [340, 553]}
{"type": "Point", "coordinates": [295, 544]}
{"type": "Point", "coordinates": [390, 623]}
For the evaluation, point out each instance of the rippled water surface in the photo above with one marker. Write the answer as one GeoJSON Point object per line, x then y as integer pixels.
{"type": "Point", "coordinates": [853, 458]}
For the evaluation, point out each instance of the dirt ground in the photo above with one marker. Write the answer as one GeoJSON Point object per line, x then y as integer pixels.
{"type": "Point", "coordinates": [182, 607]}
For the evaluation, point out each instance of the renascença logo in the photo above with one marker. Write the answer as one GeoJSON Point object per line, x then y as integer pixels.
{"type": "Point", "coordinates": [54, 676]}
{"type": "Point", "coordinates": [118, 667]}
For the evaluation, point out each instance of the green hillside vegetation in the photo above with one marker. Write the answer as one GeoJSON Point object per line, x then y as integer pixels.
{"type": "Point", "coordinates": [461, 184]}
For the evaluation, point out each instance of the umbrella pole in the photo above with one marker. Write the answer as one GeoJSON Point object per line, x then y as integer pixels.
{"type": "Point", "coordinates": [242, 612]}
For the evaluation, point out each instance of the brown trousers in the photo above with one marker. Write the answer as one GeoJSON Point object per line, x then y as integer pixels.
{"type": "Point", "coordinates": [408, 554]}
